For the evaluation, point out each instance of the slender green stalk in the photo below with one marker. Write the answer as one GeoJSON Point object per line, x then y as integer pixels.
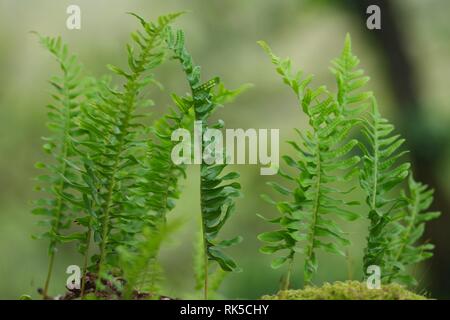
{"type": "Point", "coordinates": [409, 229]}
{"type": "Point", "coordinates": [49, 274]}
{"type": "Point", "coordinates": [65, 140]}
{"type": "Point", "coordinates": [85, 261]}
{"type": "Point", "coordinates": [287, 282]}
{"type": "Point", "coordinates": [205, 290]}
{"type": "Point", "coordinates": [315, 212]}
{"type": "Point", "coordinates": [205, 248]}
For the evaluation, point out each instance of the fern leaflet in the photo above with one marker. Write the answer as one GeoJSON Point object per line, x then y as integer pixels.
{"type": "Point", "coordinates": [322, 153]}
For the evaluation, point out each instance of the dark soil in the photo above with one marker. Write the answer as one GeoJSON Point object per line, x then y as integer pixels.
{"type": "Point", "coordinates": [110, 291]}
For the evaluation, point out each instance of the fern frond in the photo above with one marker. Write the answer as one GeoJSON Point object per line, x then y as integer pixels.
{"type": "Point", "coordinates": [295, 80]}
{"type": "Point", "coordinates": [58, 209]}
{"type": "Point", "coordinates": [404, 248]}
{"type": "Point", "coordinates": [321, 153]}
{"type": "Point", "coordinates": [157, 188]}
{"type": "Point", "coordinates": [349, 80]}
{"type": "Point", "coordinates": [117, 147]}
{"type": "Point", "coordinates": [139, 265]}
{"type": "Point", "coordinates": [379, 175]}
{"type": "Point", "coordinates": [159, 179]}
{"type": "Point", "coordinates": [217, 203]}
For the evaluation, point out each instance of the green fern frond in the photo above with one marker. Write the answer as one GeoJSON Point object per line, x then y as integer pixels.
{"type": "Point", "coordinates": [139, 265]}
{"type": "Point", "coordinates": [349, 80]}
{"type": "Point", "coordinates": [295, 80]}
{"type": "Point", "coordinates": [217, 203]}
{"type": "Point", "coordinates": [158, 182]}
{"type": "Point", "coordinates": [323, 158]}
{"type": "Point", "coordinates": [222, 95]}
{"type": "Point", "coordinates": [117, 147]}
{"type": "Point", "coordinates": [58, 209]}
{"type": "Point", "coordinates": [404, 249]}
{"type": "Point", "coordinates": [379, 175]}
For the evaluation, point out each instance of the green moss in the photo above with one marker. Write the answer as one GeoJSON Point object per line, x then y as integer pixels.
{"type": "Point", "coordinates": [348, 290]}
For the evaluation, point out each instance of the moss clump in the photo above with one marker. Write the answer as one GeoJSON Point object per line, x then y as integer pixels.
{"type": "Point", "coordinates": [348, 290]}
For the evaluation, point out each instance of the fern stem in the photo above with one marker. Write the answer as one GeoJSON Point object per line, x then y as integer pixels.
{"type": "Point", "coordinates": [64, 153]}
{"type": "Point", "coordinates": [52, 244]}
{"type": "Point", "coordinates": [374, 188]}
{"type": "Point", "coordinates": [287, 282]}
{"type": "Point", "coordinates": [85, 263]}
{"type": "Point", "coordinates": [375, 171]}
{"type": "Point", "coordinates": [105, 222]}
{"type": "Point", "coordinates": [406, 235]}
{"type": "Point", "coordinates": [106, 214]}
{"type": "Point", "coordinates": [197, 117]}
{"type": "Point", "coordinates": [315, 211]}
{"type": "Point", "coordinates": [49, 274]}
{"type": "Point", "coordinates": [55, 230]}
{"type": "Point", "coordinates": [205, 246]}
{"type": "Point", "coordinates": [205, 290]}
{"type": "Point", "coordinates": [375, 164]}
{"type": "Point", "coordinates": [131, 91]}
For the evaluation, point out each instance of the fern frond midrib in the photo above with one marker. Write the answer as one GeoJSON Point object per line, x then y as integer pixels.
{"type": "Point", "coordinates": [375, 164]}
{"type": "Point", "coordinates": [205, 244]}
{"type": "Point", "coordinates": [186, 60]}
{"type": "Point", "coordinates": [172, 166]}
{"type": "Point", "coordinates": [65, 140]}
{"type": "Point", "coordinates": [407, 233]}
{"type": "Point", "coordinates": [344, 95]}
{"type": "Point", "coordinates": [131, 92]}
{"type": "Point", "coordinates": [111, 186]}
{"type": "Point", "coordinates": [164, 209]}
{"type": "Point", "coordinates": [316, 203]}
{"type": "Point", "coordinates": [373, 199]}
{"type": "Point", "coordinates": [202, 206]}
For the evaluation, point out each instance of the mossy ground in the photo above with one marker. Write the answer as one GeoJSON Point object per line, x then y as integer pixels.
{"type": "Point", "coordinates": [348, 290]}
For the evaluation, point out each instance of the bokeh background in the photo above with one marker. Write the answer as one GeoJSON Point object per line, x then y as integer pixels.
{"type": "Point", "coordinates": [408, 61]}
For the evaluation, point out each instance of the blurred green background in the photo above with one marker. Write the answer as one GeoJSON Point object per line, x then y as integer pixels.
{"type": "Point", "coordinates": [408, 61]}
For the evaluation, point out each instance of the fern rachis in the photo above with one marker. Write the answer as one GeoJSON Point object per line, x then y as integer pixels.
{"type": "Point", "coordinates": [149, 57]}
{"type": "Point", "coordinates": [68, 89]}
{"type": "Point", "coordinates": [393, 221]}
{"type": "Point", "coordinates": [323, 151]}
{"type": "Point", "coordinates": [377, 179]}
{"type": "Point", "coordinates": [405, 248]}
{"type": "Point", "coordinates": [216, 197]}
{"type": "Point", "coordinates": [100, 150]}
